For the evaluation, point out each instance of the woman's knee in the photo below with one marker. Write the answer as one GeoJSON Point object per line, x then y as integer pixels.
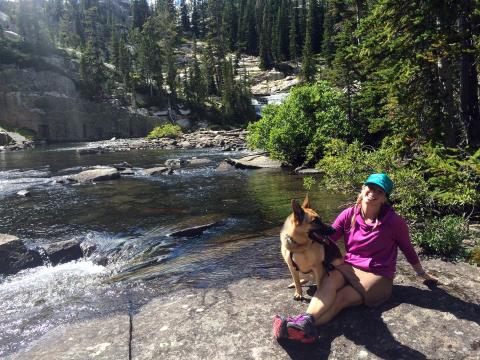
{"type": "Point", "coordinates": [348, 296]}
{"type": "Point", "coordinates": [332, 281]}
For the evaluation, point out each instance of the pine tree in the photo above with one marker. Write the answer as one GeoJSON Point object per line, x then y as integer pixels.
{"type": "Point", "coordinates": [195, 20]}
{"type": "Point", "coordinates": [184, 19]}
{"type": "Point", "coordinates": [293, 43]}
{"type": "Point", "coordinates": [308, 63]}
{"type": "Point", "coordinates": [266, 62]}
{"type": "Point", "coordinates": [140, 13]}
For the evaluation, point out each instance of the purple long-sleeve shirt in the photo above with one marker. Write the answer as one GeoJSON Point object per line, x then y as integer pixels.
{"type": "Point", "coordinates": [374, 249]}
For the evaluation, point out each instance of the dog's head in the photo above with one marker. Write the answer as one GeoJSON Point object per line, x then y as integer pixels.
{"type": "Point", "coordinates": [304, 225]}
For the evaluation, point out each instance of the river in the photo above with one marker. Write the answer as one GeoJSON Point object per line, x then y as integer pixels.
{"type": "Point", "coordinates": [128, 220]}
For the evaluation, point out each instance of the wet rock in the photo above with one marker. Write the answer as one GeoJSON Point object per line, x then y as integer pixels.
{"type": "Point", "coordinates": [255, 162]}
{"type": "Point", "coordinates": [194, 230]}
{"type": "Point", "coordinates": [63, 251]}
{"type": "Point", "coordinates": [127, 172]}
{"type": "Point", "coordinates": [185, 145]}
{"type": "Point", "coordinates": [307, 171]}
{"type": "Point", "coordinates": [24, 193]}
{"type": "Point", "coordinates": [101, 174]}
{"type": "Point", "coordinates": [122, 166]}
{"type": "Point", "coordinates": [5, 138]}
{"type": "Point", "coordinates": [158, 171]}
{"type": "Point", "coordinates": [225, 166]}
{"type": "Point", "coordinates": [198, 161]}
{"type": "Point", "coordinates": [87, 248]}
{"type": "Point", "coordinates": [89, 151]}
{"type": "Point", "coordinates": [175, 163]}
{"type": "Point", "coordinates": [15, 256]}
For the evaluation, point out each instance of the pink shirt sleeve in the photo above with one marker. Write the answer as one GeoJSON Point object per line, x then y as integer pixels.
{"type": "Point", "coordinates": [342, 224]}
{"type": "Point", "coordinates": [403, 240]}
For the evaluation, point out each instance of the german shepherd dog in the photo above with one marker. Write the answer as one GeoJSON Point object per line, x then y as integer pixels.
{"type": "Point", "coordinates": [305, 246]}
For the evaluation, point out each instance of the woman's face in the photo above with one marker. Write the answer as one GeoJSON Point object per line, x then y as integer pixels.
{"type": "Point", "coordinates": [373, 194]}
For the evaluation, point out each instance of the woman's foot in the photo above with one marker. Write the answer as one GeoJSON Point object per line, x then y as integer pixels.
{"type": "Point", "coordinates": [299, 328]}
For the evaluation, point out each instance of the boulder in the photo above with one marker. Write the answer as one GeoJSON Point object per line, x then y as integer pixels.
{"type": "Point", "coordinates": [63, 251]}
{"type": "Point", "coordinates": [255, 162]}
{"type": "Point", "coordinates": [307, 171]}
{"type": "Point", "coordinates": [225, 166]}
{"type": "Point", "coordinates": [198, 161]}
{"type": "Point", "coordinates": [101, 174]}
{"type": "Point", "coordinates": [158, 171]}
{"type": "Point", "coordinates": [5, 138]}
{"type": "Point", "coordinates": [15, 256]}
{"type": "Point", "coordinates": [175, 163]}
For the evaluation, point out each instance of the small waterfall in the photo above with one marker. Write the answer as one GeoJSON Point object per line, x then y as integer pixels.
{"type": "Point", "coordinates": [44, 256]}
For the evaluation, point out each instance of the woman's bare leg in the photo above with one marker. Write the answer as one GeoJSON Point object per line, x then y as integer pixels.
{"type": "Point", "coordinates": [346, 296]}
{"type": "Point", "coordinates": [325, 295]}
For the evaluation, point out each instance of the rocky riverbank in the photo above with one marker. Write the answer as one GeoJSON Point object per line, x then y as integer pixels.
{"type": "Point", "coordinates": [233, 321]}
{"type": "Point", "coordinates": [226, 140]}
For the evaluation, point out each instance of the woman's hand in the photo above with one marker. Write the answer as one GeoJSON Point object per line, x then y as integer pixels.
{"type": "Point", "coordinates": [428, 279]}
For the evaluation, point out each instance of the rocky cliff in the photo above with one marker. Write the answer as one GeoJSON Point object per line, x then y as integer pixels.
{"type": "Point", "coordinates": [47, 100]}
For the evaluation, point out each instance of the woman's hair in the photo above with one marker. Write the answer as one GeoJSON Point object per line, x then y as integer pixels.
{"type": "Point", "coordinates": [358, 203]}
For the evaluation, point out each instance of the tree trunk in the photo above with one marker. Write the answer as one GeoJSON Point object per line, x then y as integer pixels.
{"type": "Point", "coordinates": [469, 110]}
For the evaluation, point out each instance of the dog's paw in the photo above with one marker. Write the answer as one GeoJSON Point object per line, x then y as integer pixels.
{"type": "Point", "coordinates": [302, 282]}
{"type": "Point", "coordinates": [298, 297]}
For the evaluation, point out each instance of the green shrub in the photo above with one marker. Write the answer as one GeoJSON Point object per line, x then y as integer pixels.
{"type": "Point", "coordinates": [442, 236]}
{"type": "Point", "coordinates": [165, 131]}
{"type": "Point", "coordinates": [431, 182]}
{"type": "Point", "coordinates": [297, 130]}
{"type": "Point", "coordinates": [308, 182]}
{"type": "Point", "coordinates": [474, 256]}
{"type": "Point", "coordinates": [453, 178]}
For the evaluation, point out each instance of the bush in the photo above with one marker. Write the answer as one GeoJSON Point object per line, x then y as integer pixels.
{"type": "Point", "coordinates": [442, 236]}
{"type": "Point", "coordinates": [297, 130]}
{"type": "Point", "coordinates": [431, 182]}
{"type": "Point", "coordinates": [474, 255]}
{"type": "Point", "coordinates": [165, 131]}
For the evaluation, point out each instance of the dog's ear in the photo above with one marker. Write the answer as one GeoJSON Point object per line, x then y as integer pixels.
{"type": "Point", "coordinates": [306, 202]}
{"type": "Point", "coordinates": [298, 213]}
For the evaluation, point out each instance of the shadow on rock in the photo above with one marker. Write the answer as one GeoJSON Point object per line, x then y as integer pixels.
{"type": "Point", "coordinates": [365, 326]}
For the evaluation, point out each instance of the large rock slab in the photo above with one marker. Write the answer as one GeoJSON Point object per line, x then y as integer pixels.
{"type": "Point", "coordinates": [102, 174]}
{"type": "Point", "coordinates": [235, 322]}
{"type": "Point", "coordinates": [103, 339]}
{"type": "Point", "coordinates": [63, 251]}
{"type": "Point", "coordinates": [255, 162]}
{"type": "Point", "coordinates": [15, 256]}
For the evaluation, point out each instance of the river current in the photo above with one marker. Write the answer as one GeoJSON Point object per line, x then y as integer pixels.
{"type": "Point", "coordinates": [128, 221]}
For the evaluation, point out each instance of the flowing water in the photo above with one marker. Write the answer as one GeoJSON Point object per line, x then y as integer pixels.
{"type": "Point", "coordinates": [128, 221]}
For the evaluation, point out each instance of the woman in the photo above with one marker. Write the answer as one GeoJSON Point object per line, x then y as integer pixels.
{"type": "Point", "coordinates": [373, 232]}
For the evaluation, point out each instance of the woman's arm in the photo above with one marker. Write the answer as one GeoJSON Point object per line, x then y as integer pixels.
{"type": "Point", "coordinates": [405, 244]}
{"type": "Point", "coordinates": [340, 222]}
{"type": "Point", "coordinates": [423, 274]}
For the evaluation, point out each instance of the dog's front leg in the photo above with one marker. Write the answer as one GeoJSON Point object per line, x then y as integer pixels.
{"type": "Point", "coordinates": [296, 280]}
{"type": "Point", "coordinates": [318, 273]}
